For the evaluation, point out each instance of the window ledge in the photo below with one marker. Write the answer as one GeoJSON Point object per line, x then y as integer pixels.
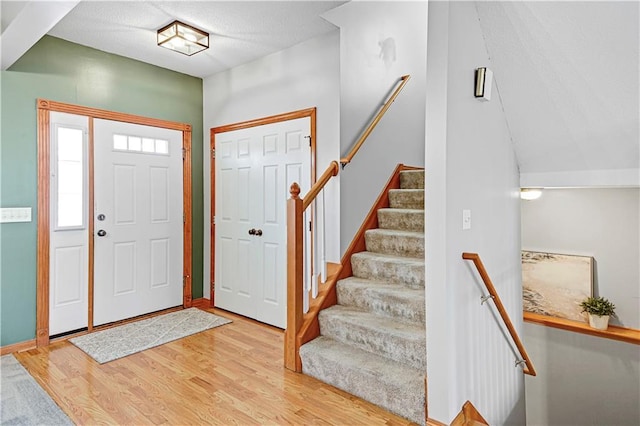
{"type": "Point", "coordinates": [623, 334]}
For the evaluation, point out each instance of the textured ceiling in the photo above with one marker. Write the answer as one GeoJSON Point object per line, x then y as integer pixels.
{"type": "Point", "coordinates": [9, 11]}
{"type": "Point", "coordinates": [241, 31]}
{"type": "Point", "coordinates": [567, 72]}
{"type": "Point", "coordinates": [568, 75]}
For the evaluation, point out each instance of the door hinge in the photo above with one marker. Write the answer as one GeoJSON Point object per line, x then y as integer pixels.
{"type": "Point", "coordinates": [308, 137]}
{"type": "Point", "coordinates": [184, 218]}
{"type": "Point", "coordinates": [184, 279]}
{"type": "Point", "coordinates": [213, 153]}
{"type": "Point", "coordinates": [213, 220]}
{"type": "Point", "coordinates": [309, 226]}
{"type": "Point", "coordinates": [184, 153]}
{"type": "Point", "coordinates": [213, 286]}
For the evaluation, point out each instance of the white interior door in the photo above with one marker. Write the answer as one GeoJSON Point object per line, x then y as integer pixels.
{"type": "Point", "coordinates": [138, 241]}
{"type": "Point", "coordinates": [254, 169]}
{"type": "Point", "coordinates": [68, 235]}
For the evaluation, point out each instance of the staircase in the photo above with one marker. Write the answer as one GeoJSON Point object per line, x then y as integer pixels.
{"type": "Point", "coordinates": [372, 343]}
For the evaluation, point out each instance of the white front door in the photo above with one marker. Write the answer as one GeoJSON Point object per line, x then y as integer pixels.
{"type": "Point", "coordinates": [138, 231]}
{"type": "Point", "coordinates": [69, 234]}
{"type": "Point", "coordinates": [254, 169]}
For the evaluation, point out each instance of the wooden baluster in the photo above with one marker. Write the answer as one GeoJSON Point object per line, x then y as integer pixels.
{"type": "Point", "coordinates": [295, 261]}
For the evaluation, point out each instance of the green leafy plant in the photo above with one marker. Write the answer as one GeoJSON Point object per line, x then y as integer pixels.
{"type": "Point", "coordinates": [598, 306]}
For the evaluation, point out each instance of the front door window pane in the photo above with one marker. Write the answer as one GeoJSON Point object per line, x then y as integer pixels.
{"type": "Point", "coordinates": [70, 178]}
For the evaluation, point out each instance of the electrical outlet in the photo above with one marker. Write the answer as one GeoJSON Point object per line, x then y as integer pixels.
{"type": "Point", "coordinates": [15, 214]}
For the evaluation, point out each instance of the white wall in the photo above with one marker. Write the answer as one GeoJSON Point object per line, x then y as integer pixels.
{"type": "Point", "coordinates": [600, 222]}
{"type": "Point", "coordinates": [584, 379]}
{"type": "Point", "coordinates": [303, 76]}
{"type": "Point", "coordinates": [379, 42]}
{"type": "Point", "coordinates": [470, 164]}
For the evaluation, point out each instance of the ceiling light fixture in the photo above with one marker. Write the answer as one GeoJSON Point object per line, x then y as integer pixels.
{"type": "Point", "coordinates": [530, 194]}
{"type": "Point", "coordinates": [183, 38]}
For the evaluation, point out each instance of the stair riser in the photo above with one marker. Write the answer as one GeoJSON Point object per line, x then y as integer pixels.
{"type": "Point", "coordinates": [405, 220]}
{"type": "Point", "coordinates": [409, 351]}
{"type": "Point", "coordinates": [388, 305]}
{"type": "Point", "coordinates": [405, 398]}
{"type": "Point", "coordinates": [402, 199]}
{"type": "Point", "coordinates": [410, 179]}
{"type": "Point", "coordinates": [411, 275]}
{"type": "Point", "coordinates": [399, 245]}
{"type": "Point", "coordinates": [372, 344]}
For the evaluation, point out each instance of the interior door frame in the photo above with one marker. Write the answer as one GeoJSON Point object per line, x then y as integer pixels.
{"type": "Point", "coordinates": [293, 115]}
{"type": "Point", "coordinates": [45, 107]}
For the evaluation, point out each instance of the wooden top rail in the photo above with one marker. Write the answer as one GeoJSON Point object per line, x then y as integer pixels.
{"type": "Point", "coordinates": [529, 369]}
{"type": "Point", "coordinates": [330, 172]}
{"type": "Point", "coordinates": [614, 332]}
{"type": "Point", "coordinates": [346, 160]}
{"type": "Point", "coordinates": [295, 237]}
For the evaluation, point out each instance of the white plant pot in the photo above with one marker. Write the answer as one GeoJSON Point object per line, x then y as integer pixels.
{"type": "Point", "coordinates": [599, 322]}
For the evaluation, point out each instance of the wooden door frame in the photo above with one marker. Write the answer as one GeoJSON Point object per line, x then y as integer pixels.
{"type": "Point", "coordinates": [293, 115]}
{"type": "Point", "coordinates": [45, 107]}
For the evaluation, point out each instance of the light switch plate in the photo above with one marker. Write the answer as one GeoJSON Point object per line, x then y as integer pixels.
{"type": "Point", "coordinates": [466, 219]}
{"type": "Point", "coordinates": [15, 214]}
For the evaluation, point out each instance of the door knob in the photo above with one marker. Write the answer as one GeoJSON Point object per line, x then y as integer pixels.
{"type": "Point", "coordinates": [252, 231]}
{"type": "Point", "coordinates": [259, 232]}
{"type": "Point", "coordinates": [102, 233]}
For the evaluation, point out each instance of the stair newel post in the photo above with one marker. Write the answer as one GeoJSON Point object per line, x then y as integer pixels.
{"type": "Point", "coordinates": [295, 258]}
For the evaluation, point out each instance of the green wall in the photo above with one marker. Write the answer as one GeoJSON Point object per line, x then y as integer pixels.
{"type": "Point", "coordinates": [58, 70]}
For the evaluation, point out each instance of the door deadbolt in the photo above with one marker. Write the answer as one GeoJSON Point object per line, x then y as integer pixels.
{"type": "Point", "coordinates": [101, 217]}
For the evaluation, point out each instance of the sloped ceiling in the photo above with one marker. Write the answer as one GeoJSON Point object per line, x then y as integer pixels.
{"type": "Point", "coordinates": [566, 72]}
{"type": "Point", "coordinates": [568, 76]}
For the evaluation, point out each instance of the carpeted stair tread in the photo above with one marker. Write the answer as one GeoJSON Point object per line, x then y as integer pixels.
{"type": "Point", "coordinates": [395, 387]}
{"type": "Point", "coordinates": [390, 268]}
{"type": "Point", "coordinates": [412, 179]}
{"type": "Point", "coordinates": [406, 198]}
{"type": "Point", "coordinates": [396, 242]}
{"type": "Point", "coordinates": [400, 341]}
{"type": "Point", "coordinates": [401, 219]}
{"type": "Point", "coordinates": [373, 342]}
{"type": "Point", "coordinates": [389, 300]}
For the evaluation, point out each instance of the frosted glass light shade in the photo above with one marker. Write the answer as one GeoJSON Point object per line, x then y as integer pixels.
{"type": "Point", "coordinates": [530, 194]}
{"type": "Point", "coordinates": [183, 38]}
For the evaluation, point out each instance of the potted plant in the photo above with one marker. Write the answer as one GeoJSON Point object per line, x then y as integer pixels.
{"type": "Point", "coordinates": [599, 310]}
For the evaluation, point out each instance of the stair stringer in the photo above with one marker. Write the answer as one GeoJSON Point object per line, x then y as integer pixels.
{"type": "Point", "coordinates": [327, 296]}
{"type": "Point", "coordinates": [383, 363]}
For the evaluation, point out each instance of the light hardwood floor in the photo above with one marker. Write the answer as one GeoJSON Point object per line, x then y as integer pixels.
{"type": "Point", "coordinates": [231, 375]}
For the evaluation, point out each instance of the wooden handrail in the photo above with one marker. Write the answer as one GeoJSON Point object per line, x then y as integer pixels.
{"type": "Point", "coordinates": [295, 237]}
{"type": "Point", "coordinates": [347, 159]}
{"type": "Point", "coordinates": [327, 296]}
{"type": "Point", "coordinates": [330, 172]}
{"type": "Point", "coordinates": [475, 258]}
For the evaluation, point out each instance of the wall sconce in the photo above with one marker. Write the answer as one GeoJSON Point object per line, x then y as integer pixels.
{"type": "Point", "coordinates": [530, 194]}
{"type": "Point", "coordinates": [183, 38]}
{"type": "Point", "coordinates": [484, 81]}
